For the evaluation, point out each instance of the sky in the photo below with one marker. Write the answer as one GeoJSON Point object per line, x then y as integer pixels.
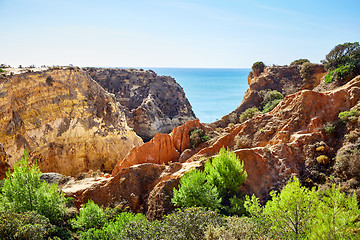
{"type": "Point", "coordinates": [173, 33]}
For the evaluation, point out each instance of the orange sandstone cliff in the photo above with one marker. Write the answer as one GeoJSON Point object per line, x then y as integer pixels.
{"type": "Point", "coordinates": [65, 119]}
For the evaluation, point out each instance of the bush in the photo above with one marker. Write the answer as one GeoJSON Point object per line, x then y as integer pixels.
{"type": "Point", "coordinates": [347, 163]}
{"type": "Point", "coordinates": [307, 69]}
{"type": "Point", "coordinates": [341, 73]}
{"type": "Point", "coordinates": [195, 191]}
{"type": "Point", "coordinates": [226, 172]}
{"type": "Point", "coordinates": [336, 216]}
{"type": "Point", "coordinates": [348, 115]}
{"type": "Point", "coordinates": [24, 191]}
{"type": "Point", "coordinates": [343, 54]}
{"type": "Point", "coordinates": [235, 228]}
{"type": "Point", "coordinates": [258, 68]}
{"type": "Point", "coordinates": [1, 70]}
{"type": "Point", "coordinates": [90, 216]}
{"type": "Point", "coordinates": [329, 128]}
{"type": "Point", "coordinates": [249, 114]}
{"type": "Point", "coordinates": [190, 223]}
{"type": "Point", "coordinates": [218, 183]}
{"type": "Point", "coordinates": [271, 99]}
{"type": "Point", "coordinates": [298, 213]}
{"type": "Point", "coordinates": [287, 215]}
{"type": "Point", "coordinates": [299, 62]}
{"type": "Point", "coordinates": [197, 136]}
{"type": "Point", "coordinates": [27, 225]}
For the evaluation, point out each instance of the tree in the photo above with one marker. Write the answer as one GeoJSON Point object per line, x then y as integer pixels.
{"type": "Point", "coordinates": [342, 54]}
{"type": "Point", "coordinates": [288, 214]}
{"type": "Point", "coordinates": [195, 191]}
{"type": "Point", "coordinates": [23, 191]}
{"type": "Point", "coordinates": [217, 187]}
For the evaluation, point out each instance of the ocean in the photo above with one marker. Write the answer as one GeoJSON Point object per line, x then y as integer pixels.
{"type": "Point", "coordinates": [212, 92]}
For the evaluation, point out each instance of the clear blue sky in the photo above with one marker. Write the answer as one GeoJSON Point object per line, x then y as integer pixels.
{"type": "Point", "coordinates": [173, 33]}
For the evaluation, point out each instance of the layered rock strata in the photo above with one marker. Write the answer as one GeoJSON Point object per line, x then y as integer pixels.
{"type": "Point", "coordinates": [66, 120]}
{"type": "Point", "coordinates": [153, 104]}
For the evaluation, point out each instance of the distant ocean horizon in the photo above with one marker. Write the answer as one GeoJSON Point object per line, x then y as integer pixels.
{"type": "Point", "coordinates": [212, 92]}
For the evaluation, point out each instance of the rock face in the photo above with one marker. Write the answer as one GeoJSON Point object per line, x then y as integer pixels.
{"type": "Point", "coordinates": [284, 79]}
{"type": "Point", "coordinates": [65, 119]}
{"type": "Point", "coordinates": [162, 149]}
{"type": "Point", "coordinates": [4, 166]}
{"type": "Point", "coordinates": [274, 146]}
{"type": "Point", "coordinates": [153, 104]}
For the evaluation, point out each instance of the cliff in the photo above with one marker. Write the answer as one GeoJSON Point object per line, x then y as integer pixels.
{"type": "Point", "coordinates": [292, 139]}
{"type": "Point", "coordinates": [284, 79]}
{"type": "Point", "coordinates": [152, 104]}
{"type": "Point", "coordinates": [66, 120]}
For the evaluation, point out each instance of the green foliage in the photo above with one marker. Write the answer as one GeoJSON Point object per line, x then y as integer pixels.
{"type": "Point", "coordinates": [90, 216]}
{"type": "Point", "coordinates": [341, 73]}
{"type": "Point", "coordinates": [183, 224]}
{"type": "Point", "coordinates": [307, 69]}
{"type": "Point", "coordinates": [347, 163]}
{"type": "Point", "coordinates": [1, 70]}
{"type": "Point", "coordinates": [197, 136]}
{"type": "Point", "coordinates": [336, 216]}
{"type": "Point", "coordinates": [343, 54]}
{"type": "Point", "coordinates": [194, 190]}
{"type": "Point", "coordinates": [235, 228]}
{"type": "Point", "coordinates": [287, 215]}
{"type": "Point", "coordinates": [24, 191]}
{"type": "Point", "coordinates": [249, 114]}
{"type": "Point", "coordinates": [271, 99]}
{"type": "Point", "coordinates": [298, 213]}
{"type": "Point", "coordinates": [226, 172]}
{"type": "Point", "coordinates": [258, 65]}
{"type": "Point", "coordinates": [217, 187]}
{"type": "Point", "coordinates": [329, 128]}
{"type": "Point", "coordinates": [27, 225]}
{"type": "Point", "coordinates": [299, 62]}
{"type": "Point", "coordinates": [190, 223]}
{"type": "Point", "coordinates": [349, 115]}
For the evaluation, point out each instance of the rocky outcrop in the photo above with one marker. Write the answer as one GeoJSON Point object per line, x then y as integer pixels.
{"type": "Point", "coordinates": [284, 79]}
{"type": "Point", "coordinates": [162, 149]}
{"type": "Point", "coordinates": [4, 166]}
{"type": "Point", "coordinates": [274, 146]}
{"type": "Point", "coordinates": [66, 120]}
{"type": "Point", "coordinates": [153, 104]}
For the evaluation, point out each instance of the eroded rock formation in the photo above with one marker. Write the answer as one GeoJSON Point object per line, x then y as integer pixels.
{"type": "Point", "coordinates": [284, 79]}
{"type": "Point", "coordinates": [153, 104]}
{"type": "Point", "coordinates": [4, 166]}
{"type": "Point", "coordinates": [65, 119]}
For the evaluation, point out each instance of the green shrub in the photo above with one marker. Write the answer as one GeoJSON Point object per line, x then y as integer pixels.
{"type": "Point", "coordinates": [90, 216]}
{"type": "Point", "coordinates": [27, 225]}
{"type": "Point", "coordinates": [342, 54]}
{"type": "Point", "coordinates": [298, 213]}
{"type": "Point", "coordinates": [195, 191]}
{"type": "Point", "coordinates": [197, 136]}
{"type": "Point", "coordinates": [235, 228]}
{"type": "Point", "coordinates": [288, 214]}
{"type": "Point", "coordinates": [307, 69]}
{"type": "Point", "coordinates": [348, 115]}
{"type": "Point", "coordinates": [258, 67]}
{"type": "Point", "coordinates": [217, 187]}
{"type": "Point", "coordinates": [226, 172]}
{"type": "Point", "coordinates": [329, 128]}
{"type": "Point", "coordinates": [330, 76]}
{"type": "Point", "coordinates": [271, 99]}
{"type": "Point", "coordinates": [299, 62]}
{"type": "Point", "coordinates": [190, 223]}
{"type": "Point", "coordinates": [24, 191]}
{"type": "Point", "coordinates": [336, 216]}
{"type": "Point", "coordinates": [1, 70]}
{"type": "Point", "coordinates": [249, 114]}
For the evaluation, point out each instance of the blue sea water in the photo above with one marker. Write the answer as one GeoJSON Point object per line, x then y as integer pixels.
{"type": "Point", "coordinates": [212, 92]}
